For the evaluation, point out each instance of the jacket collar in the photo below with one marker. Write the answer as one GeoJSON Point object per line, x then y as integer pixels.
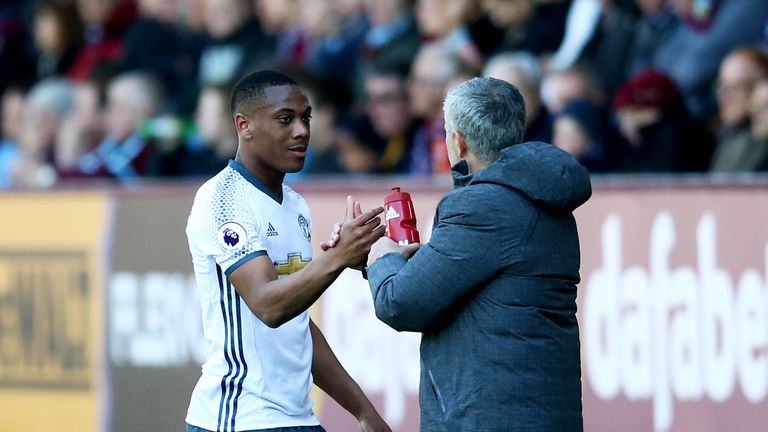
{"type": "Point", "coordinates": [461, 175]}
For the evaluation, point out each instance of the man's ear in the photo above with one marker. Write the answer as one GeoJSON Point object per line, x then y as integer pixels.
{"type": "Point", "coordinates": [242, 127]}
{"type": "Point", "coordinates": [461, 144]}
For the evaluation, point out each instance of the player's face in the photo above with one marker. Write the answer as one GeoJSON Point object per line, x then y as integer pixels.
{"type": "Point", "coordinates": [280, 129]}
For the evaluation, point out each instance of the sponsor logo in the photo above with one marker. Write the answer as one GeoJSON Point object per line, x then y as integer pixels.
{"type": "Point", "coordinates": [231, 236]}
{"type": "Point", "coordinates": [271, 231]}
{"type": "Point", "coordinates": [675, 332]}
{"type": "Point", "coordinates": [391, 214]}
{"type": "Point", "coordinates": [292, 264]}
{"type": "Point", "coordinates": [46, 330]}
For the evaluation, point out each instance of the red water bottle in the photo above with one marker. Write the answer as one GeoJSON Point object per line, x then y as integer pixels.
{"type": "Point", "coordinates": [400, 217]}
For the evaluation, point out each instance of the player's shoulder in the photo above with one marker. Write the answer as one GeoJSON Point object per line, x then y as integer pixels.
{"type": "Point", "coordinates": [223, 186]}
{"type": "Point", "coordinates": [219, 192]}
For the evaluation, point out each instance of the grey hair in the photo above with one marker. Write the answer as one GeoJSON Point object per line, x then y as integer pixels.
{"type": "Point", "coordinates": [144, 90]}
{"type": "Point", "coordinates": [489, 113]}
{"type": "Point", "coordinates": [55, 95]}
{"type": "Point", "coordinates": [522, 61]}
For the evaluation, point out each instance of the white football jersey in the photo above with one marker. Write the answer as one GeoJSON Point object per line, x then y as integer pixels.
{"type": "Point", "coordinates": [254, 377]}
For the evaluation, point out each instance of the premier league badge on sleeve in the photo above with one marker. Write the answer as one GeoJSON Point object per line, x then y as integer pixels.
{"type": "Point", "coordinates": [304, 225]}
{"type": "Point", "coordinates": [231, 236]}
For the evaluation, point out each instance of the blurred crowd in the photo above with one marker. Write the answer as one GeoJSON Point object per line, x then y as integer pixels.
{"type": "Point", "coordinates": [131, 89]}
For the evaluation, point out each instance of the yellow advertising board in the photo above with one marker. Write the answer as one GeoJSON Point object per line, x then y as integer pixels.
{"type": "Point", "coordinates": [52, 263]}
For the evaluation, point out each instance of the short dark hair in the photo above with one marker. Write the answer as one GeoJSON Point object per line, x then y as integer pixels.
{"type": "Point", "coordinates": [249, 91]}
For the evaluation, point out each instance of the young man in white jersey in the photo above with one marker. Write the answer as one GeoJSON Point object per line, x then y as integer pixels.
{"type": "Point", "coordinates": [249, 235]}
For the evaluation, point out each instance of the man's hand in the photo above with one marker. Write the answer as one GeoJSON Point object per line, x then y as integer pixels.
{"type": "Point", "coordinates": [386, 245]}
{"type": "Point", "coordinates": [356, 235]}
{"type": "Point", "coordinates": [333, 239]}
{"type": "Point", "coordinates": [353, 210]}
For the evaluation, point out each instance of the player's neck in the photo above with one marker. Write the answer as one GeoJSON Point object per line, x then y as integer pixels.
{"type": "Point", "coordinates": [272, 180]}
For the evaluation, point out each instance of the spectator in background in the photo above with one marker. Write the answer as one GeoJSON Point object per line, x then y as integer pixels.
{"type": "Point", "coordinates": [653, 29]}
{"type": "Point", "coordinates": [392, 39]}
{"type": "Point", "coordinates": [57, 33]}
{"type": "Point", "coordinates": [386, 130]}
{"type": "Point", "coordinates": [710, 30]}
{"type": "Point", "coordinates": [214, 142]}
{"type": "Point", "coordinates": [323, 156]}
{"type": "Point", "coordinates": [580, 129]}
{"type": "Point", "coordinates": [81, 130]}
{"type": "Point", "coordinates": [335, 33]}
{"type": "Point", "coordinates": [661, 134]}
{"type": "Point", "coordinates": [598, 32]}
{"type": "Point", "coordinates": [47, 105]}
{"type": "Point", "coordinates": [523, 71]}
{"type": "Point", "coordinates": [558, 87]}
{"type": "Point", "coordinates": [276, 17]}
{"type": "Point", "coordinates": [190, 16]}
{"type": "Point", "coordinates": [172, 55]}
{"type": "Point", "coordinates": [765, 38]}
{"type": "Point", "coordinates": [292, 41]}
{"type": "Point", "coordinates": [105, 24]}
{"type": "Point", "coordinates": [758, 112]}
{"type": "Point", "coordinates": [236, 42]}
{"type": "Point", "coordinates": [213, 122]}
{"type": "Point", "coordinates": [433, 68]}
{"type": "Point", "coordinates": [447, 23]}
{"type": "Point", "coordinates": [520, 25]}
{"type": "Point", "coordinates": [317, 37]}
{"type": "Point", "coordinates": [17, 68]}
{"type": "Point", "coordinates": [133, 98]}
{"type": "Point", "coordinates": [391, 120]}
{"type": "Point", "coordinates": [741, 70]}
{"type": "Point", "coordinates": [11, 118]}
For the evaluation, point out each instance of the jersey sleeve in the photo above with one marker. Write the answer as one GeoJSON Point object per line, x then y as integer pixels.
{"type": "Point", "coordinates": [230, 230]}
{"type": "Point", "coordinates": [239, 241]}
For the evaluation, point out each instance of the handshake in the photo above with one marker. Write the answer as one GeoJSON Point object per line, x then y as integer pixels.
{"type": "Point", "coordinates": [362, 234]}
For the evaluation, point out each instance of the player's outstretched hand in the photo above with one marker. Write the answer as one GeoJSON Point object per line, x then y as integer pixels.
{"type": "Point", "coordinates": [324, 246]}
{"type": "Point", "coordinates": [353, 210]}
{"type": "Point", "coordinates": [358, 232]}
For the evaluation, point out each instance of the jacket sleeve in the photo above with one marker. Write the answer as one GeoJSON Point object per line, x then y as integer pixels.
{"type": "Point", "coordinates": [466, 249]}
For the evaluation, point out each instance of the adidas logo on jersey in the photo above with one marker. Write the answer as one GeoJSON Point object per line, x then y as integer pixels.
{"type": "Point", "coordinates": [271, 231]}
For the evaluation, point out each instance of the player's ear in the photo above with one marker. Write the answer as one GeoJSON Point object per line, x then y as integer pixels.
{"type": "Point", "coordinates": [242, 126]}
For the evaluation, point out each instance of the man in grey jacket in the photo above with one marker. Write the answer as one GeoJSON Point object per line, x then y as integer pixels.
{"type": "Point", "coordinates": [494, 291]}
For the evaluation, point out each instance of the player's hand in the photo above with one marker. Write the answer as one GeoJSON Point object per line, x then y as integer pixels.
{"type": "Point", "coordinates": [353, 210]}
{"type": "Point", "coordinates": [357, 234]}
{"type": "Point", "coordinates": [386, 245]}
{"type": "Point", "coordinates": [334, 237]}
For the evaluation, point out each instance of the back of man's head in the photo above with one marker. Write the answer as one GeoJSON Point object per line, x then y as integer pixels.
{"type": "Point", "coordinates": [249, 91]}
{"type": "Point", "coordinates": [489, 113]}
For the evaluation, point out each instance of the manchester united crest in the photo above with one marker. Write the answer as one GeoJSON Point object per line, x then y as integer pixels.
{"type": "Point", "coordinates": [304, 225]}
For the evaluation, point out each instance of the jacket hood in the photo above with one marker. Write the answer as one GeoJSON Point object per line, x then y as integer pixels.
{"type": "Point", "coordinates": [545, 174]}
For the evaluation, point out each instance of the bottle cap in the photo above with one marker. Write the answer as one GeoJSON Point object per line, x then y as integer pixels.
{"type": "Point", "coordinates": [397, 195]}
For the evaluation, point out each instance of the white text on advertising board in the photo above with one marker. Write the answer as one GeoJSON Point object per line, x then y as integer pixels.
{"type": "Point", "coordinates": [674, 334]}
{"type": "Point", "coordinates": [155, 320]}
